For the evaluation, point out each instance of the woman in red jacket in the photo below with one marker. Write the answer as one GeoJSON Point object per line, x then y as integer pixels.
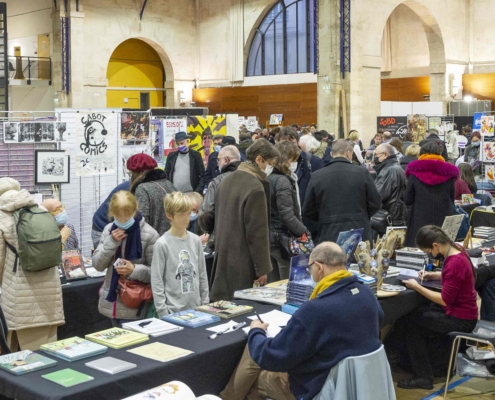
{"type": "Point", "coordinates": [452, 309]}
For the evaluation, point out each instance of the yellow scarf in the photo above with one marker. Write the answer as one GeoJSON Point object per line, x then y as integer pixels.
{"type": "Point", "coordinates": [431, 157]}
{"type": "Point", "coordinates": [328, 281]}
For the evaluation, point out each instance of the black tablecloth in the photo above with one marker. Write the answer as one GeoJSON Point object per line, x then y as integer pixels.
{"type": "Point", "coordinates": [482, 218]}
{"type": "Point", "coordinates": [400, 305]}
{"type": "Point", "coordinates": [469, 208]}
{"type": "Point", "coordinates": [81, 309]}
{"type": "Point", "coordinates": [206, 371]}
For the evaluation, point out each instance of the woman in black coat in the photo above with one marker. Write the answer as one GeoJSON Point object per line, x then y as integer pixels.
{"type": "Point", "coordinates": [285, 207]}
{"type": "Point", "coordinates": [430, 190]}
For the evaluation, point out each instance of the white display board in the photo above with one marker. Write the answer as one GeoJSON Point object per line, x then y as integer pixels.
{"type": "Point", "coordinates": [405, 108]}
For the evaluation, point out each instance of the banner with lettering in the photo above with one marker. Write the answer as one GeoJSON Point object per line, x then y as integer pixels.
{"type": "Point", "coordinates": [96, 139]}
{"type": "Point", "coordinates": [170, 128]}
{"type": "Point", "coordinates": [397, 126]}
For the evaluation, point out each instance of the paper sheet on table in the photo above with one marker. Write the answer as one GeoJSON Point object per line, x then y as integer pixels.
{"type": "Point", "coordinates": [160, 352]}
{"type": "Point", "coordinates": [220, 328]}
{"type": "Point", "coordinates": [274, 318]}
{"type": "Point", "coordinates": [408, 272]}
{"type": "Point", "coordinates": [271, 332]}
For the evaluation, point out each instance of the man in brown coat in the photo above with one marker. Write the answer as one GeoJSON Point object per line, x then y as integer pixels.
{"type": "Point", "coordinates": [242, 222]}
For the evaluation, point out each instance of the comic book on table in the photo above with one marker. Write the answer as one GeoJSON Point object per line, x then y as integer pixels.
{"type": "Point", "coordinates": [225, 309]}
{"type": "Point", "coordinates": [152, 326]}
{"type": "Point", "coordinates": [73, 265]}
{"type": "Point", "coordinates": [174, 390]}
{"type": "Point", "coordinates": [73, 349]}
{"type": "Point", "coordinates": [25, 361]}
{"type": "Point", "coordinates": [117, 338]}
{"type": "Point", "coordinates": [264, 294]}
{"type": "Point", "coordinates": [191, 318]}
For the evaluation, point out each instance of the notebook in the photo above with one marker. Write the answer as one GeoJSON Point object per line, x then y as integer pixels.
{"type": "Point", "coordinates": [225, 309]}
{"type": "Point", "coordinates": [191, 318]}
{"type": "Point", "coordinates": [174, 390]}
{"type": "Point", "coordinates": [68, 377]}
{"type": "Point", "coordinates": [152, 326]}
{"type": "Point", "coordinates": [160, 352]}
{"type": "Point", "coordinates": [117, 338]}
{"type": "Point", "coordinates": [74, 349]}
{"type": "Point", "coordinates": [110, 365]}
{"type": "Point", "coordinates": [25, 361]}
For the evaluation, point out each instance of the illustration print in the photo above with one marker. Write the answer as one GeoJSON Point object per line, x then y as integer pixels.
{"type": "Point", "coordinates": [185, 272]}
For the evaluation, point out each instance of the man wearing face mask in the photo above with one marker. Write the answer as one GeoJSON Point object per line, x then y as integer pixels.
{"type": "Point", "coordinates": [67, 231]}
{"type": "Point", "coordinates": [305, 350]}
{"type": "Point", "coordinates": [229, 159]}
{"type": "Point", "coordinates": [242, 219]}
{"type": "Point", "coordinates": [212, 171]}
{"type": "Point", "coordinates": [341, 196]}
{"type": "Point", "coordinates": [391, 183]}
{"type": "Point", "coordinates": [184, 167]}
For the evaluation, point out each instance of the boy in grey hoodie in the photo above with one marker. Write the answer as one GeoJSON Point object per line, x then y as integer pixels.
{"type": "Point", "coordinates": [178, 269]}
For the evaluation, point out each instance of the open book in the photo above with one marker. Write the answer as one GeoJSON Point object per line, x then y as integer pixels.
{"type": "Point", "coordinates": [174, 390]}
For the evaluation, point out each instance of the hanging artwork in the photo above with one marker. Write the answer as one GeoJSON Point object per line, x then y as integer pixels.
{"type": "Point", "coordinates": [170, 128]}
{"type": "Point", "coordinates": [416, 125]}
{"type": "Point", "coordinates": [33, 132]}
{"type": "Point", "coordinates": [135, 127]}
{"type": "Point", "coordinates": [487, 122]}
{"type": "Point", "coordinates": [96, 137]}
{"type": "Point", "coordinates": [490, 172]}
{"type": "Point", "coordinates": [202, 129]}
{"type": "Point", "coordinates": [51, 166]}
{"type": "Point", "coordinates": [488, 154]}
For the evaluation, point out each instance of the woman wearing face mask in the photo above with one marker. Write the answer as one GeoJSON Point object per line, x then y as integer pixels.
{"type": "Point", "coordinates": [472, 152]}
{"type": "Point", "coordinates": [430, 190]}
{"type": "Point", "coordinates": [242, 243]}
{"type": "Point", "coordinates": [285, 209]}
{"type": "Point", "coordinates": [131, 239]}
{"type": "Point", "coordinates": [453, 309]}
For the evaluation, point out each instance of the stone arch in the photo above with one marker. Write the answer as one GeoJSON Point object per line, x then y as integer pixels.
{"type": "Point", "coordinates": [432, 29]}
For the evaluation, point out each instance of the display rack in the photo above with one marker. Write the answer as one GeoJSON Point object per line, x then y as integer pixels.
{"type": "Point", "coordinates": [484, 164]}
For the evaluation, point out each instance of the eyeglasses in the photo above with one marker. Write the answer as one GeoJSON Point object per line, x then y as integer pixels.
{"type": "Point", "coordinates": [221, 158]}
{"type": "Point", "coordinates": [379, 155]}
{"type": "Point", "coordinates": [58, 210]}
{"type": "Point", "coordinates": [308, 268]}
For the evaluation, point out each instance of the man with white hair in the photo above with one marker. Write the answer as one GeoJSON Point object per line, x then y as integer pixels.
{"type": "Point", "coordinates": [342, 319]}
{"type": "Point", "coordinates": [390, 182]}
{"type": "Point", "coordinates": [310, 145]}
{"type": "Point", "coordinates": [229, 159]}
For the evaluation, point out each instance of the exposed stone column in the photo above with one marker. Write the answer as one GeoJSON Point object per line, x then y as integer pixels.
{"type": "Point", "coordinates": [77, 58]}
{"type": "Point", "coordinates": [329, 80]}
{"type": "Point", "coordinates": [57, 58]}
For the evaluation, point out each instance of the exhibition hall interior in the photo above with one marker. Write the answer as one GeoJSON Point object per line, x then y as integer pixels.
{"type": "Point", "coordinates": [247, 199]}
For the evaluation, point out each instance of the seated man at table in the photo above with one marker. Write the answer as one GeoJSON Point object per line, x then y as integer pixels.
{"type": "Point", "coordinates": [342, 319]}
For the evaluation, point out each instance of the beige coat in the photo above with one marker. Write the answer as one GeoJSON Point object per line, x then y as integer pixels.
{"type": "Point", "coordinates": [29, 299]}
{"type": "Point", "coordinates": [103, 258]}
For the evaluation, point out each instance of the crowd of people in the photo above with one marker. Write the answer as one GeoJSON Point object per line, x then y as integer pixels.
{"type": "Point", "coordinates": [250, 199]}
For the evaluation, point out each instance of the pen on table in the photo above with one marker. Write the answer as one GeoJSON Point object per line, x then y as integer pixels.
{"type": "Point", "coordinates": [259, 317]}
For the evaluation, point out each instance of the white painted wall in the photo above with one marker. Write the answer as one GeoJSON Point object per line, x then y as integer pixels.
{"type": "Point", "coordinates": [27, 18]}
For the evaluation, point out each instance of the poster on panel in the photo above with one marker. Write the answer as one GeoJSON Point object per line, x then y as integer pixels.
{"type": "Point", "coordinates": [417, 125]}
{"type": "Point", "coordinates": [31, 132]}
{"type": "Point", "coordinates": [96, 141]}
{"type": "Point", "coordinates": [135, 127]}
{"type": "Point", "coordinates": [397, 126]}
{"type": "Point", "coordinates": [201, 131]}
{"type": "Point", "coordinates": [487, 125]}
{"type": "Point", "coordinates": [169, 128]}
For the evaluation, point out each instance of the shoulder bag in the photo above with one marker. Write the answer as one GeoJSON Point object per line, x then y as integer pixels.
{"type": "Point", "coordinates": [380, 221]}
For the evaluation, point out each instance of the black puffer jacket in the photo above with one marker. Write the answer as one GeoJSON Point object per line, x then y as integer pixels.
{"type": "Point", "coordinates": [391, 184]}
{"type": "Point", "coordinates": [285, 213]}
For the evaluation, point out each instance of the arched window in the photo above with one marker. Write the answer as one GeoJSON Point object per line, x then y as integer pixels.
{"type": "Point", "coordinates": [285, 40]}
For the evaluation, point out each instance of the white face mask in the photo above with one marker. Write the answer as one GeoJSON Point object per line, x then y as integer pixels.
{"type": "Point", "coordinates": [293, 166]}
{"type": "Point", "coordinates": [268, 170]}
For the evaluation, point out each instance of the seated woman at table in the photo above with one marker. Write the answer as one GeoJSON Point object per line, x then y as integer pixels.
{"type": "Point", "coordinates": [467, 176]}
{"type": "Point", "coordinates": [131, 239]}
{"type": "Point", "coordinates": [453, 309]}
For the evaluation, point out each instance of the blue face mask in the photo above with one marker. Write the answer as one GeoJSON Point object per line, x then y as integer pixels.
{"type": "Point", "coordinates": [217, 148]}
{"type": "Point", "coordinates": [61, 218]}
{"type": "Point", "coordinates": [182, 149]}
{"type": "Point", "coordinates": [125, 225]}
{"type": "Point", "coordinates": [476, 144]}
{"type": "Point", "coordinates": [194, 216]}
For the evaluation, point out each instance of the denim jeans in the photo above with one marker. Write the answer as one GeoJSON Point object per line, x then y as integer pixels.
{"type": "Point", "coordinates": [95, 237]}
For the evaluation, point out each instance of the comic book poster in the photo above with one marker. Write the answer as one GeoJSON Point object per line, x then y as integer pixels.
{"type": "Point", "coordinates": [487, 122]}
{"type": "Point", "coordinates": [202, 129]}
{"type": "Point", "coordinates": [96, 139]}
{"type": "Point", "coordinates": [417, 125]}
{"type": "Point", "coordinates": [34, 132]}
{"type": "Point", "coordinates": [488, 154]}
{"type": "Point", "coordinates": [490, 172]}
{"type": "Point", "coordinates": [135, 127]}
{"type": "Point", "coordinates": [171, 126]}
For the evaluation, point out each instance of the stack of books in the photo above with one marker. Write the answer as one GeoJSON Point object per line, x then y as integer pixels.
{"type": "Point", "coordinates": [484, 232]}
{"type": "Point", "coordinates": [73, 349]}
{"type": "Point", "coordinates": [410, 257]}
{"type": "Point", "coordinates": [225, 309]}
{"type": "Point", "coordinates": [191, 318]}
{"type": "Point", "coordinates": [370, 281]}
{"type": "Point", "coordinates": [300, 285]}
{"type": "Point", "coordinates": [152, 326]}
{"type": "Point", "coordinates": [25, 361]}
{"type": "Point", "coordinates": [264, 294]}
{"type": "Point", "coordinates": [117, 338]}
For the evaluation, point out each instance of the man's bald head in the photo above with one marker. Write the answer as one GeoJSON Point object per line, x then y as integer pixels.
{"type": "Point", "coordinates": [231, 152]}
{"type": "Point", "coordinates": [385, 148]}
{"type": "Point", "coordinates": [330, 255]}
{"type": "Point", "coordinates": [51, 204]}
{"type": "Point", "coordinates": [387, 135]}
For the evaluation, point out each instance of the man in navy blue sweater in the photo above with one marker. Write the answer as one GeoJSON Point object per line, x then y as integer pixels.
{"type": "Point", "coordinates": [341, 320]}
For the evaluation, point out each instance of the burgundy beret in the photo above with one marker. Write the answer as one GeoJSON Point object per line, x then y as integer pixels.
{"type": "Point", "coordinates": [141, 162]}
